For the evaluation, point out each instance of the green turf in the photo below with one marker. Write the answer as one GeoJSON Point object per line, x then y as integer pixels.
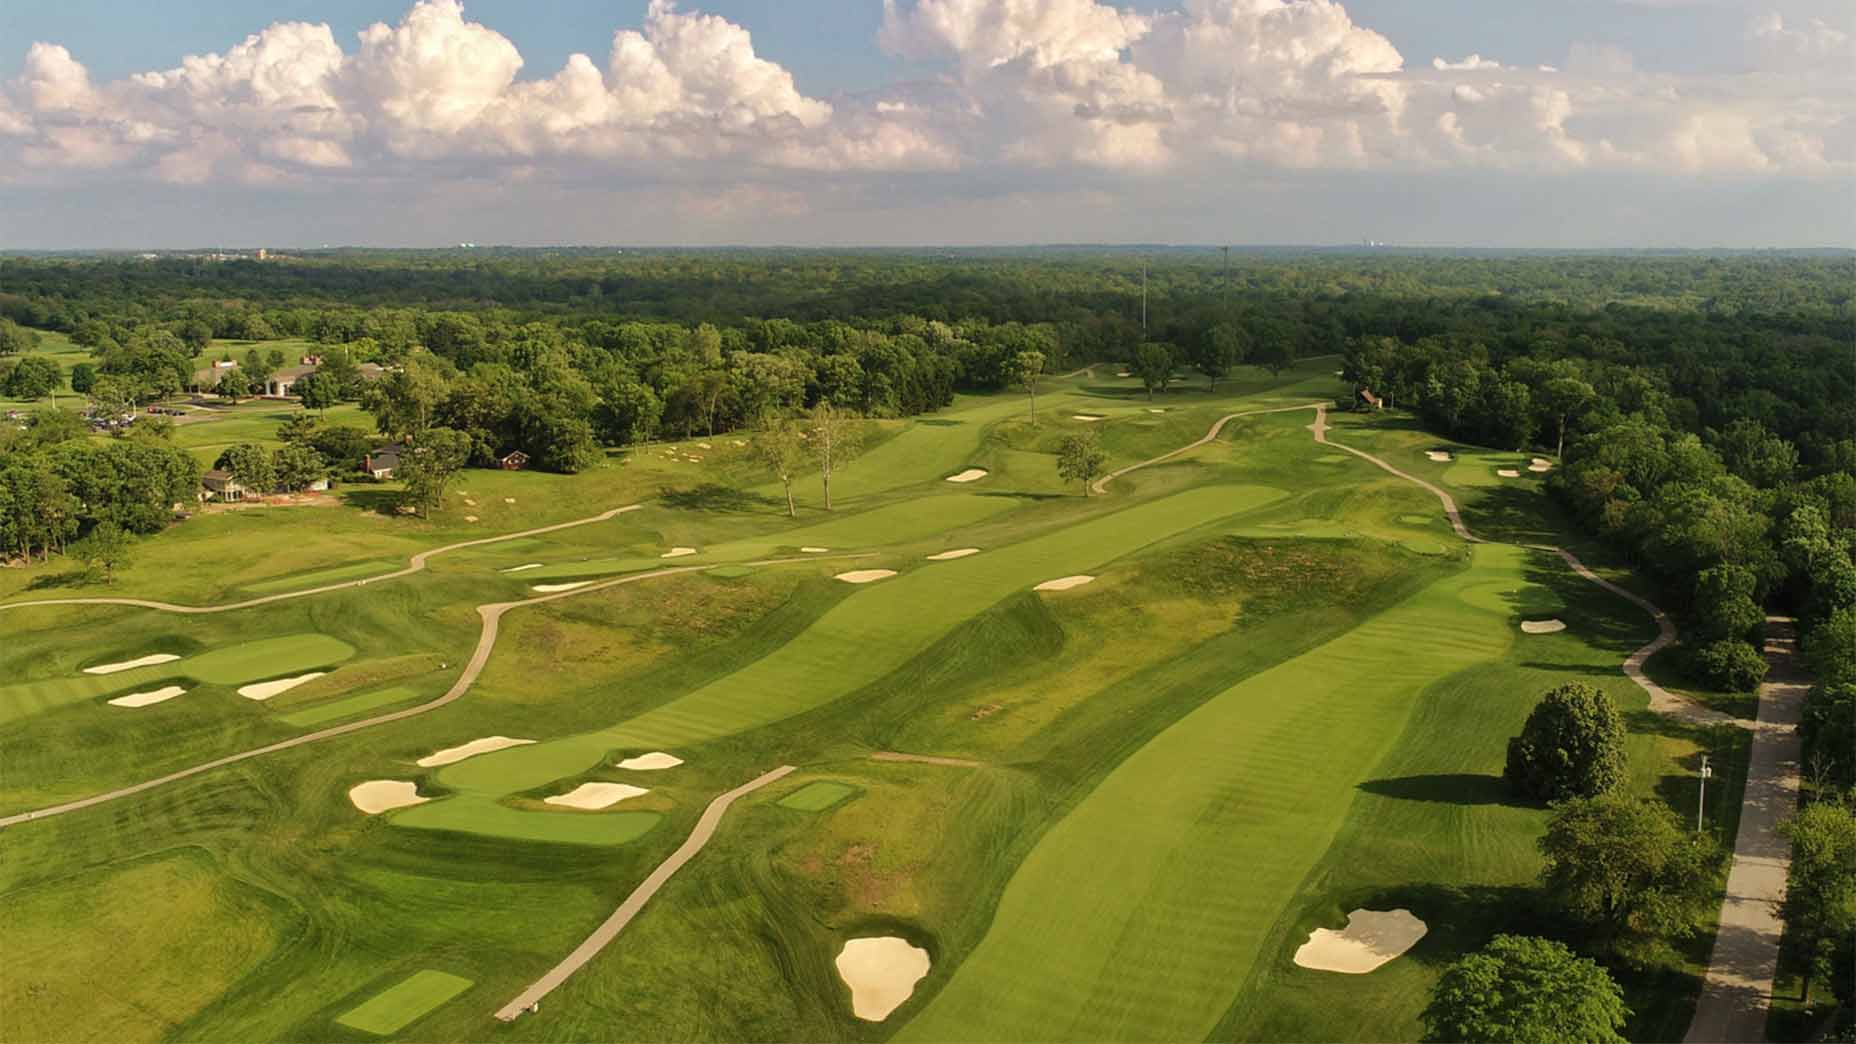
{"type": "Point", "coordinates": [347, 706]}
{"type": "Point", "coordinates": [817, 796]}
{"type": "Point", "coordinates": [316, 578]}
{"type": "Point", "coordinates": [232, 665]}
{"type": "Point", "coordinates": [399, 1006]}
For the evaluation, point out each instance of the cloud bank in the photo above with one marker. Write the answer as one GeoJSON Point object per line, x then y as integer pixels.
{"type": "Point", "coordinates": [1077, 91]}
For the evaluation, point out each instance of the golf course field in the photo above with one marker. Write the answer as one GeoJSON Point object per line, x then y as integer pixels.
{"type": "Point", "coordinates": [645, 749]}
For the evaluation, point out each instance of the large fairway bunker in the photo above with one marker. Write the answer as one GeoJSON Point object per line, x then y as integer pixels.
{"type": "Point", "coordinates": [817, 796]}
{"type": "Point", "coordinates": [130, 665]}
{"type": "Point", "coordinates": [655, 761]}
{"type": "Point", "coordinates": [384, 795]}
{"type": "Point", "coordinates": [865, 576]}
{"type": "Point", "coordinates": [399, 1006]}
{"type": "Point", "coordinates": [595, 796]}
{"type": "Point", "coordinates": [1371, 938]}
{"type": "Point", "coordinates": [882, 973]}
{"type": "Point", "coordinates": [149, 698]}
{"type": "Point", "coordinates": [486, 745]}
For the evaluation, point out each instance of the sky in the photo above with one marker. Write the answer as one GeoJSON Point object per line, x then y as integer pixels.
{"type": "Point", "coordinates": [1552, 123]}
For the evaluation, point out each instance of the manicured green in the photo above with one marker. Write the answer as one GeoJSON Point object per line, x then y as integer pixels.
{"type": "Point", "coordinates": [817, 796]}
{"type": "Point", "coordinates": [399, 1006]}
{"type": "Point", "coordinates": [347, 707]}
{"type": "Point", "coordinates": [318, 577]}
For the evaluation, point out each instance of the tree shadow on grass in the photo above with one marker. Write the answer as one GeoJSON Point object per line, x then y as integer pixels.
{"type": "Point", "coordinates": [939, 422]}
{"type": "Point", "coordinates": [1450, 788]}
{"type": "Point", "coordinates": [1457, 919]}
{"type": "Point", "coordinates": [1021, 495]}
{"type": "Point", "coordinates": [68, 578]}
{"type": "Point", "coordinates": [713, 496]}
{"type": "Point", "coordinates": [379, 501]}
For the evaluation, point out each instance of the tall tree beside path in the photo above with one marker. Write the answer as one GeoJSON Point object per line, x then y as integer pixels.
{"type": "Point", "coordinates": [835, 438]}
{"type": "Point", "coordinates": [1820, 893]}
{"type": "Point", "coordinates": [1027, 367]}
{"type": "Point", "coordinates": [1523, 990]}
{"type": "Point", "coordinates": [105, 548]}
{"type": "Point", "coordinates": [428, 464]}
{"type": "Point", "coordinates": [779, 447]}
{"type": "Point", "coordinates": [1625, 870]}
{"type": "Point", "coordinates": [1154, 363]}
{"type": "Point", "coordinates": [1080, 458]}
{"type": "Point", "coordinates": [1222, 348]}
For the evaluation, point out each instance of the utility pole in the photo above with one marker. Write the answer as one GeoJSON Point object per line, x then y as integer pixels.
{"type": "Point", "coordinates": [1701, 801]}
{"type": "Point", "coordinates": [1143, 299]}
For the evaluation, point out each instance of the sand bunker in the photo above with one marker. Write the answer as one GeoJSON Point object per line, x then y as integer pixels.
{"type": "Point", "coordinates": [815, 550]}
{"type": "Point", "coordinates": [1063, 583]}
{"type": "Point", "coordinates": [509, 500]}
{"type": "Point", "coordinates": [523, 568]}
{"type": "Point", "coordinates": [1440, 456]}
{"type": "Point", "coordinates": [384, 795]}
{"type": "Point", "coordinates": [882, 973]}
{"type": "Point", "coordinates": [145, 699]}
{"type": "Point", "coordinates": [1371, 938]}
{"type": "Point", "coordinates": [265, 690]}
{"type": "Point", "coordinates": [1540, 464]}
{"type": "Point", "coordinates": [864, 576]}
{"type": "Point", "coordinates": [471, 749]}
{"type": "Point", "coordinates": [555, 588]}
{"type": "Point", "coordinates": [959, 552]}
{"type": "Point", "coordinates": [651, 762]}
{"type": "Point", "coordinates": [1124, 373]}
{"type": "Point", "coordinates": [1089, 417]}
{"type": "Point", "coordinates": [969, 475]}
{"type": "Point", "coordinates": [130, 665]}
{"type": "Point", "coordinates": [1156, 409]}
{"type": "Point", "coordinates": [470, 518]}
{"type": "Point", "coordinates": [1542, 626]}
{"type": "Point", "coordinates": [596, 795]}
{"type": "Point", "coordinates": [678, 552]}
{"type": "Point", "coordinates": [1508, 473]}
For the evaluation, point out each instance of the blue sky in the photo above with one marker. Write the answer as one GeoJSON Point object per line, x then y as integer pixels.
{"type": "Point", "coordinates": [1577, 123]}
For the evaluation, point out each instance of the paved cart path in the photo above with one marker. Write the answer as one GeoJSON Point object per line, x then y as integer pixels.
{"type": "Point", "coordinates": [1737, 995]}
{"type": "Point", "coordinates": [610, 929]}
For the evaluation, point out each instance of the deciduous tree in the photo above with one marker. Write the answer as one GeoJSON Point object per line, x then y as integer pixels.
{"type": "Point", "coordinates": [1080, 458]}
{"type": "Point", "coordinates": [1524, 990]}
{"type": "Point", "coordinates": [1572, 745]}
{"type": "Point", "coordinates": [1623, 868]}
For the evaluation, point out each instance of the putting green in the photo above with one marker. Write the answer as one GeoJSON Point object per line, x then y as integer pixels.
{"type": "Point", "coordinates": [346, 706]}
{"type": "Point", "coordinates": [397, 1007]}
{"type": "Point", "coordinates": [817, 796]}
{"type": "Point", "coordinates": [853, 644]}
{"type": "Point", "coordinates": [233, 665]}
{"type": "Point", "coordinates": [476, 814]}
{"type": "Point", "coordinates": [1140, 914]}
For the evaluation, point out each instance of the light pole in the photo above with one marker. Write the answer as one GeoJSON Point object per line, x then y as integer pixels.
{"type": "Point", "coordinates": [1701, 800]}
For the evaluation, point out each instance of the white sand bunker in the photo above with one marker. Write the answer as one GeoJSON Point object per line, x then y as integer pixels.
{"type": "Point", "coordinates": [678, 552]}
{"type": "Point", "coordinates": [1440, 456]}
{"type": "Point", "coordinates": [147, 699]}
{"type": "Point", "coordinates": [882, 973]}
{"type": "Point", "coordinates": [1371, 938]}
{"type": "Point", "coordinates": [949, 556]}
{"type": "Point", "coordinates": [1540, 464]}
{"type": "Point", "coordinates": [815, 550]}
{"type": "Point", "coordinates": [651, 762]}
{"type": "Point", "coordinates": [1089, 417]}
{"type": "Point", "coordinates": [969, 475]}
{"type": "Point", "coordinates": [470, 750]}
{"type": "Point", "coordinates": [384, 795]}
{"type": "Point", "coordinates": [1124, 373]}
{"type": "Point", "coordinates": [554, 588]}
{"type": "Point", "coordinates": [130, 665]}
{"type": "Point", "coordinates": [1156, 409]}
{"type": "Point", "coordinates": [523, 568]}
{"type": "Point", "coordinates": [1063, 583]}
{"type": "Point", "coordinates": [865, 576]}
{"type": "Point", "coordinates": [1542, 626]}
{"type": "Point", "coordinates": [1508, 473]}
{"type": "Point", "coordinates": [596, 795]}
{"type": "Point", "coordinates": [265, 690]}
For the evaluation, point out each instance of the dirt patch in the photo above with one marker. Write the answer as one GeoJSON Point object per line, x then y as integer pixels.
{"type": "Point", "coordinates": [1371, 938]}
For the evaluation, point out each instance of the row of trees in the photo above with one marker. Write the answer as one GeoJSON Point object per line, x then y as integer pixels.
{"type": "Point", "coordinates": [57, 487]}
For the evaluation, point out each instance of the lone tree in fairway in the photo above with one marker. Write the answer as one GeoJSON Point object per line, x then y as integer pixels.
{"type": "Point", "coordinates": [1153, 364]}
{"type": "Point", "coordinates": [105, 548]}
{"type": "Point", "coordinates": [1523, 990]}
{"type": "Point", "coordinates": [834, 439]}
{"type": "Point", "coordinates": [1571, 746]}
{"type": "Point", "coordinates": [781, 450]}
{"type": "Point", "coordinates": [1028, 367]}
{"type": "Point", "coordinates": [1080, 457]}
{"type": "Point", "coordinates": [428, 464]}
{"type": "Point", "coordinates": [1625, 869]}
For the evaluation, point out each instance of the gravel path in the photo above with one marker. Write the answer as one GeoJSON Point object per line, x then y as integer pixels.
{"type": "Point", "coordinates": [1737, 995]}
{"type": "Point", "coordinates": [610, 929]}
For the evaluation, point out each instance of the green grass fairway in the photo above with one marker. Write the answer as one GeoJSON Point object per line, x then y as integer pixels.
{"type": "Point", "coordinates": [817, 796]}
{"type": "Point", "coordinates": [347, 706]}
{"type": "Point", "coordinates": [1140, 913]}
{"type": "Point", "coordinates": [393, 1009]}
{"type": "Point", "coordinates": [319, 577]}
{"type": "Point", "coordinates": [231, 665]}
{"type": "Point", "coordinates": [472, 814]}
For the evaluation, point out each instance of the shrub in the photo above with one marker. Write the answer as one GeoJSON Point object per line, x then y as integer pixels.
{"type": "Point", "coordinates": [1727, 664]}
{"type": "Point", "coordinates": [1571, 746]}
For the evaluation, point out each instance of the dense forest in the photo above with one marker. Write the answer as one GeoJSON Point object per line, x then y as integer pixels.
{"type": "Point", "coordinates": [1702, 405]}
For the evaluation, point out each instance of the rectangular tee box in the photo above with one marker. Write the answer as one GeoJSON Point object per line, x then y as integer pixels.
{"type": "Point", "coordinates": [397, 1007]}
